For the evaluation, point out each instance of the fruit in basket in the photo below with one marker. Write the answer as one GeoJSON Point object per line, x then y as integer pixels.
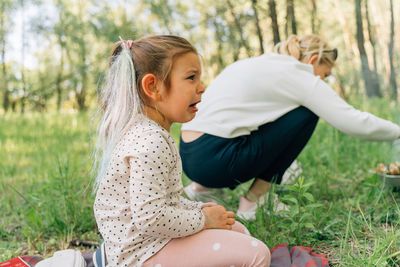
{"type": "Point", "coordinates": [393, 169]}
{"type": "Point", "coordinates": [381, 168]}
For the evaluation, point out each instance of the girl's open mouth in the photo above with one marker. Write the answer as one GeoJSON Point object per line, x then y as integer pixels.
{"type": "Point", "coordinates": [193, 105]}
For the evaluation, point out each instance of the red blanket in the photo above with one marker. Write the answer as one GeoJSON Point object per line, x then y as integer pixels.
{"type": "Point", "coordinates": [298, 256]}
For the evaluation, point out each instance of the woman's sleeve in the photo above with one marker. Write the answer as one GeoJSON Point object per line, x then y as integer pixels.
{"type": "Point", "coordinates": [328, 105]}
{"type": "Point", "coordinates": [149, 184]}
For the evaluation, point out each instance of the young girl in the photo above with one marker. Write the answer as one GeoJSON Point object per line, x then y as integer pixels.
{"type": "Point", "coordinates": [259, 113]}
{"type": "Point", "coordinates": [153, 82]}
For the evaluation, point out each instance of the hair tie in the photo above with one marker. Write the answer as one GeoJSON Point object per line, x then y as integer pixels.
{"type": "Point", "coordinates": [128, 43]}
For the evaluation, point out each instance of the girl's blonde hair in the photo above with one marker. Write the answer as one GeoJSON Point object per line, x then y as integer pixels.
{"type": "Point", "coordinates": [122, 97]}
{"type": "Point", "coordinates": [304, 47]}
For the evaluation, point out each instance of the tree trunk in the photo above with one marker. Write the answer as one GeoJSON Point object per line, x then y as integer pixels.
{"type": "Point", "coordinates": [290, 17]}
{"type": "Point", "coordinates": [23, 83]}
{"type": "Point", "coordinates": [371, 84]}
{"type": "Point", "coordinates": [80, 91]}
{"type": "Point", "coordinates": [393, 84]}
{"type": "Point", "coordinates": [6, 94]}
{"type": "Point", "coordinates": [41, 103]}
{"type": "Point", "coordinates": [371, 35]}
{"type": "Point", "coordinates": [235, 44]}
{"type": "Point", "coordinates": [340, 88]}
{"type": "Point", "coordinates": [218, 35]}
{"type": "Point", "coordinates": [274, 20]}
{"type": "Point", "coordinates": [239, 28]}
{"type": "Point", "coordinates": [59, 78]}
{"type": "Point", "coordinates": [348, 37]}
{"type": "Point", "coordinates": [59, 31]}
{"type": "Point", "coordinates": [314, 18]}
{"type": "Point", "coordinates": [259, 33]}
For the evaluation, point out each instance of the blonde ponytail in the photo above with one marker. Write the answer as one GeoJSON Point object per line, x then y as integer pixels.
{"type": "Point", "coordinates": [120, 102]}
{"type": "Point", "coordinates": [290, 47]}
{"type": "Point", "coordinates": [304, 47]}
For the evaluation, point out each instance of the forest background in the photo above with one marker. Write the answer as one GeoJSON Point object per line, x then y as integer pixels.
{"type": "Point", "coordinates": [53, 55]}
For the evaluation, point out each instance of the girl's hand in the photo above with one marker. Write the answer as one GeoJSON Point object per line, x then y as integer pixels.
{"type": "Point", "coordinates": [216, 217]}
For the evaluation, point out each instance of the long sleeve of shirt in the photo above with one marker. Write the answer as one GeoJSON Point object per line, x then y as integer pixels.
{"type": "Point", "coordinates": [155, 200]}
{"type": "Point", "coordinates": [328, 105]}
{"type": "Point", "coordinates": [189, 204]}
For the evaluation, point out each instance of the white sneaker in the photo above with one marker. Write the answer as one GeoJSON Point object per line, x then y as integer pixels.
{"type": "Point", "coordinates": [292, 173]}
{"type": "Point", "coordinates": [250, 214]}
{"type": "Point", "coordinates": [203, 196]}
{"type": "Point", "coordinates": [68, 257]}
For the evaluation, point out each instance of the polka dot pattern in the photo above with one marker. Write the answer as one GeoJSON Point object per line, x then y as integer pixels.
{"type": "Point", "coordinates": [138, 206]}
{"type": "Point", "coordinates": [216, 246]}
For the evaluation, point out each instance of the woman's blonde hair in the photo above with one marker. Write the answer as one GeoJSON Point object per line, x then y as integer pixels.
{"type": "Point", "coordinates": [304, 47]}
{"type": "Point", "coordinates": [122, 97]}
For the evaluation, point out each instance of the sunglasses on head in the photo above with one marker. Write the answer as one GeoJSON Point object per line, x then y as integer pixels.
{"type": "Point", "coordinates": [334, 51]}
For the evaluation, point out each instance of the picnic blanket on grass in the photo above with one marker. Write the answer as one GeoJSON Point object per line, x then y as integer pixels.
{"type": "Point", "coordinates": [297, 256]}
{"type": "Point", "coordinates": [281, 256]}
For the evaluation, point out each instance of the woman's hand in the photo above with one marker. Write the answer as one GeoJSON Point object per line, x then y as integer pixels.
{"type": "Point", "coordinates": [216, 217]}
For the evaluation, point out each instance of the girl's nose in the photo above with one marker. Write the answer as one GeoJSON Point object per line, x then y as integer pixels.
{"type": "Point", "coordinates": [201, 88]}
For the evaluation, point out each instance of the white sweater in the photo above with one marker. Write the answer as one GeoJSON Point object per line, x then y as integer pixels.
{"type": "Point", "coordinates": [255, 91]}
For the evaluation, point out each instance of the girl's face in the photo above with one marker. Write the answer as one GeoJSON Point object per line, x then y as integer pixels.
{"type": "Point", "coordinates": [178, 104]}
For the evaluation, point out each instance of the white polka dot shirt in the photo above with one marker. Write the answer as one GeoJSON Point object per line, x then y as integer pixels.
{"type": "Point", "coordinates": [138, 206]}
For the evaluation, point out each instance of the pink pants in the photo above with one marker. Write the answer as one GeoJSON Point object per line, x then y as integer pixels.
{"type": "Point", "coordinates": [213, 248]}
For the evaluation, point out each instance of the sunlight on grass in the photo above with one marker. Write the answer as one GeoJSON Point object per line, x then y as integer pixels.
{"type": "Point", "coordinates": [44, 174]}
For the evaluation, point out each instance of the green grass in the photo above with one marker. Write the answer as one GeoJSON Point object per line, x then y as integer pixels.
{"type": "Point", "coordinates": [44, 183]}
{"type": "Point", "coordinates": [46, 198]}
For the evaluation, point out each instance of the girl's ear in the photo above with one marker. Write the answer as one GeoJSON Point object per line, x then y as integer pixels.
{"type": "Point", "coordinates": [150, 87]}
{"type": "Point", "coordinates": [313, 59]}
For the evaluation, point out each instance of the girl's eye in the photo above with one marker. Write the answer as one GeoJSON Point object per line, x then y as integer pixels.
{"type": "Point", "coordinates": [191, 77]}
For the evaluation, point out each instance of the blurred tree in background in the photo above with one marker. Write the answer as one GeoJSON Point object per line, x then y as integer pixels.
{"type": "Point", "coordinates": [6, 9]}
{"type": "Point", "coordinates": [73, 39]}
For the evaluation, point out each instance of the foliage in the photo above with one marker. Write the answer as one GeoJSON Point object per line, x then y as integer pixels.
{"type": "Point", "coordinates": [74, 38]}
{"type": "Point", "coordinates": [301, 215]}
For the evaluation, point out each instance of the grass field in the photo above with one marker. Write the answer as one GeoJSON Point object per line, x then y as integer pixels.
{"type": "Point", "coordinates": [338, 208]}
